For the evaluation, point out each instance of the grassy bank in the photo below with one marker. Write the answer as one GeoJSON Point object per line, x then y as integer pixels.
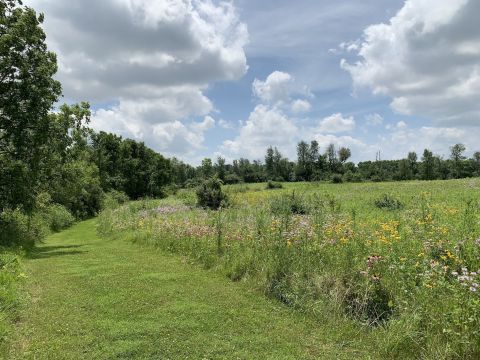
{"type": "Point", "coordinates": [398, 261]}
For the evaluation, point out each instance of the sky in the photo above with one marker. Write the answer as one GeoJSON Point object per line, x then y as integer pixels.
{"type": "Point", "coordinates": [204, 78]}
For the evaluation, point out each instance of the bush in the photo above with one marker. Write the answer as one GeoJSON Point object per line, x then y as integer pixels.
{"type": "Point", "coordinates": [187, 197]}
{"type": "Point", "coordinates": [350, 176]}
{"type": "Point", "coordinates": [79, 189]}
{"type": "Point", "coordinates": [59, 217]}
{"type": "Point", "coordinates": [369, 301]}
{"type": "Point", "coordinates": [337, 179]}
{"type": "Point", "coordinates": [55, 216]}
{"type": "Point", "coordinates": [289, 204]}
{"type": "Point", "coordinates": [192, 183]}
{"type": "Point", "coordinates": [210, 194]}
{"type": "Point", "coordinates": [274, 185]}
{"type": "Point", "coordinates": [231, 179]}
{"type": "Point", "coordinates": [388, 202]}
{"type": "Point", "coordinates": [17, 229]}
{"type": "Point", "coordinates": [114, 199]}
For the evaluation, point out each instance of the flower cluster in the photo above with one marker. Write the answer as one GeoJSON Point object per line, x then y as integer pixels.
{"type": "Point", "coordinates": [388, 232]}
{"type": "Point", "coordinates": [372, 260]}
{"type": "Point", "coordinates": [338, 230]}
{"type": "Point", "coordinates": [300, 227]}
{"type": "Point", "coordinates": [467, 278]}
{"type": "Point", "coordinates": [164, 210]}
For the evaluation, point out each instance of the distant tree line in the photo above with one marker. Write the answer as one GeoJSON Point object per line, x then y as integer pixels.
{"type": "Point", "coordinates": [330, 165]}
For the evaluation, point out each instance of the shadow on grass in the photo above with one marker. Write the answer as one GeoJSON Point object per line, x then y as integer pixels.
{"type": "Point", "coordinates": [46, 252]}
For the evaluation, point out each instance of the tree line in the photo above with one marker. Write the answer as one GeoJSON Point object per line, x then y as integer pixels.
{"type": "Point", "coordinates": [331, 165]}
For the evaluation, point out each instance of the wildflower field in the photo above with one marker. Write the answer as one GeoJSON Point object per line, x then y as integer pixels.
{"type": "Point", "coordinates": [399, 263]}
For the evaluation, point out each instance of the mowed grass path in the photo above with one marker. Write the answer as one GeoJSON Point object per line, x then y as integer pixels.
{"type": "Point", "coordinates": [91, 298]}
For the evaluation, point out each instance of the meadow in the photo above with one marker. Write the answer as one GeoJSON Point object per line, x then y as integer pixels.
{"type": "Point", "coordinates": [397, 264]}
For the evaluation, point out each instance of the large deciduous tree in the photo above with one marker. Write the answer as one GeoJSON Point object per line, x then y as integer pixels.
{"type": "Point", "coordinates": [456, 154]}
{"type": "Point", "coordinates": [428, 168]}
{"type": "Point", "coordinates": [28, 92]}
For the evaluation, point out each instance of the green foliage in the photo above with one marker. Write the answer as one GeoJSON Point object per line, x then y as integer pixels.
{"type": "Point", "coordinates": [79, 189]}
{"type": "Point", "coordinates": [59, 217]}
{"type": "Point", "coordinates": [18, 229]}
{"type": "Point", "coordinates": [388, 202]}
{"type": "Point", "coordinates": [55, 216]}
{"type": "Point", "coordinates": [26, 72]}
{"type": "Point", "coordinates": [274, 185]}
{"type": "Point", "coordinates": [11, 277]}
{"type": "Point", "coordinates": [404, 275]}
{"type": "Point", "coordinates": [210, 194]}
{"type": "Point", "coordinates": [369, 301]}
{"type": "Point", "coordinates": [288, 204]}
{"type": "Point", "coordinates": [130, 166]}
{"type": "Point", "coordinates": [337, 179]}
{"type": "Point", "coordinates": [350, 176]}
{"type": "Point", "coordinates": [231, 179]}
{"type": "Point", "coordinates": [114, 199]}
{"type": "Point", "coordinates": [192, 183]}
{"type": "Point", "coordinates": [187, 197]}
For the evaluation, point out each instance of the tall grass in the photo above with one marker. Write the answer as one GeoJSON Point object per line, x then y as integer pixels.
{"type": "Point", "coordinates": [408, 274]}
{"type": "Point", "coordinates": [11, 277]}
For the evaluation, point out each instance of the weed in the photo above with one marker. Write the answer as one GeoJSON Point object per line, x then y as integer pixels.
{"type": "Point", "coordinates": [388, 202]}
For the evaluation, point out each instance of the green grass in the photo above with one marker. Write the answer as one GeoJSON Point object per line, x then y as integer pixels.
{"type": "Point", "coordinates": [400, 262]}
{"type": "Point", "coordinates": [323, 269]}
{"type": "Point", "coordinates": [91, 298]}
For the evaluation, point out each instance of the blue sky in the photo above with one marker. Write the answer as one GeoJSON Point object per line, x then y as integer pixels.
{"type": "Point", "coordinates": [201, 78]}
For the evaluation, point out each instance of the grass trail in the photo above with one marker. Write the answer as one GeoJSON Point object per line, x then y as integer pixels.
{"type": "Point", "coordinates": [91, 298]}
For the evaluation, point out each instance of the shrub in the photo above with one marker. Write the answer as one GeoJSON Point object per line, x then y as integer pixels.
{"type": "Point", "coordinates": [79, 189]}
{"type": "Point", "coordinates": [231, 179]}
{"type": "Point", "coordinates": [18, 229]}
{"type": "Point", "coordinates": [192, 183]}
{"type": "Point", "coordinates": [114, 199]}
{"type": "Point", "coordinates": [388, 202]}
{"type": "Point", "coordinates": [55, 216]}
{"type": "Point", "coordinates": [289, 204]}
{"type": "Point", "coordinates": [274, 185]}
{"type": "Point", "coordinates": [350, 176]}
{"type": "Point", "coordinates": [165, 191]}
{"type": "Point", "coordinates": [187, 197]}
{"type": "Point", "coordinates": [59, 217]}
{"type": "Point", "coordinates": [337, 179]}
{"type": "Point", "coordinates": [210, 194]}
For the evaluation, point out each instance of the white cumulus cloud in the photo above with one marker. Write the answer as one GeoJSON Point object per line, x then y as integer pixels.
{"type": "Point", "coordinates": [277, 87]}
{"type": "Point", "coordinates": [336, 123]}
{"type": "Point", "coordinates": [301, 106]}
{"type": "Point", "coordinates": [265, 126]}
{"type": "Point", "coordinates": [151, 59]}
{"type": "Point", "coordinates": [426, 58]}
